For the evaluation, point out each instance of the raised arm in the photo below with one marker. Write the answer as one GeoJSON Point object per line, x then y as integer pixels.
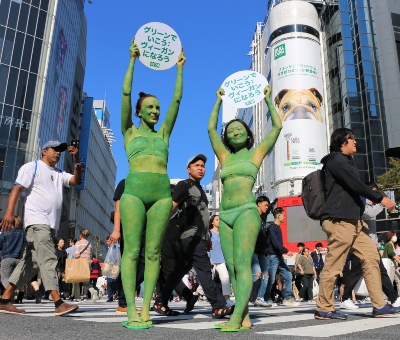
{"type": "Point", "coordinates": [269, 141]}
{"type": "Point", "coordinates": [216, 143]}
{"type": "Point", "coordinates": [126, 107]}
{"type": "Point", "coordinates": [173, 109]}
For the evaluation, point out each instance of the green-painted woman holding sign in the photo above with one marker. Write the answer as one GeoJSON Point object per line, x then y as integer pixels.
{"type": "Point", "coordinates": [146, 202]}
{"type": "Point", "coordinates": [239, 217]}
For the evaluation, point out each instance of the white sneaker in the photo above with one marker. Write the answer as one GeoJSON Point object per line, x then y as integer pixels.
{"type": "Point", "coordinates": [367, 299]}
{"type": "Point", "coordinates": [273, 304]}
{"type": "Point", "coordinates": [261, 303]}
{"type": "Point", "coordinates": [397, 302]}
{"type": "Point", "coordinates": [290, 303]}
{"type": "Point", "coordinates": [95, 296]}
{"type": "Point", "coordinates": [348, 304]}
{"type": "Point", "coordinates": [229, 303]}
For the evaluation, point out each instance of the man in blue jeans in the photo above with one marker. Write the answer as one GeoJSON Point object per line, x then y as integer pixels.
{"type": "Point", "coordinates": [276, 261]}
{"type": "Point", "coordinates": [259, 262]}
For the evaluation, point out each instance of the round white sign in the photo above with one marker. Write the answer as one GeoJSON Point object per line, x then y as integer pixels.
{"type": "Point", "coordinates": [159, 45]}
{"type": "Point", "coordinates": [244, 89]}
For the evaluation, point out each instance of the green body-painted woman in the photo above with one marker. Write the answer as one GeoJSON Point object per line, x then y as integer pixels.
{"type": "Point", "coordinates": [239, 218]}
{"type": "Point", "coordinates": [146, 202]}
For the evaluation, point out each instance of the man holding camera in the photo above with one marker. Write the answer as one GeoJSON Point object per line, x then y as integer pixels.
{"type": "Point", "coordinates": [44, 191]}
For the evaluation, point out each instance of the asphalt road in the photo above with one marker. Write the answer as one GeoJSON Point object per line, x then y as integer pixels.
{"type": "Point", "coordinates": [99, 321]}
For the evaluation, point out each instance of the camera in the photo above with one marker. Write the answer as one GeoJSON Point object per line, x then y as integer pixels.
{"type": "Point", "coordinates": [75, 143]}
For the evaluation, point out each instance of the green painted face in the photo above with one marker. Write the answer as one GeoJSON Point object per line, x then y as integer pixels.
{"type": "Point", "coordinates": [237, 135]}
{"type": "Point", "coordinates": [150, 111]}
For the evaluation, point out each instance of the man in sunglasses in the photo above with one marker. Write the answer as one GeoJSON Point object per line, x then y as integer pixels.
{"type": "Point", "coordinates": [44, 191]}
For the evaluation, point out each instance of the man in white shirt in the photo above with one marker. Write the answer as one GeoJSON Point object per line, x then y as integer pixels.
{"type": "Point", "coordinates": [44, 190]}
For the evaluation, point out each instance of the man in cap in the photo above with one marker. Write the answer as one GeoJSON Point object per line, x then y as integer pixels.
{"type": "Point", "coordinates": [193, 241]}
{"type": "Point", "coordinates": [44, 191]}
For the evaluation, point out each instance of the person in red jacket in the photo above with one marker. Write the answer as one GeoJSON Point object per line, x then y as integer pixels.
{"type": "Point", "coordinates": [94, 275]}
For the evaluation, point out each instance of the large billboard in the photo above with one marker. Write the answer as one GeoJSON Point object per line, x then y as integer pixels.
{"type": "Point", "coordinates": [298, 96]}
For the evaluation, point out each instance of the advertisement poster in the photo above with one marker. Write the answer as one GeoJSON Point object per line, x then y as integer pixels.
{"type": "Point", "coordinates": [298, 97]}
{"type": "Point", "coordinates": [63, 102]}
{"type": "Point", "coordinates": [244, 89]}
{"type": "Point", "coordinates": [60, 55]}
{"type": "Point", "coordinates": [159, 45]}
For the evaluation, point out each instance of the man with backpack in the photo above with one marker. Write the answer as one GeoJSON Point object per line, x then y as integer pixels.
{"type": "Point", "coordinates": [341, 220]}
{"type": "Point", "coordinates": [44, 193]}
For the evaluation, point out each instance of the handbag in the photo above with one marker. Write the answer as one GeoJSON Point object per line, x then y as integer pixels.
{"type": "Point", "coordinates": [77, 270]}
{"type": "Point", "coordinates": [315, 289]}
{"type": "Point", "coordinates": [361, 288]}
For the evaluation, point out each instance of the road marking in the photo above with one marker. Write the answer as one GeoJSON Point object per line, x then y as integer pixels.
{"type": "Point", "coordinates": [325, 330]}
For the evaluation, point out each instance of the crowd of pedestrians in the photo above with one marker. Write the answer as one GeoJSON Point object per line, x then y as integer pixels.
{"type": "Point", "coordinates": [193, 245]}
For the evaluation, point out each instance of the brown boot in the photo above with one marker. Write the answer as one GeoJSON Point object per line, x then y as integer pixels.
{"type": "Point", "coordinates": [65, 308]}
{"type": "Point", "coordinates": [9, 308]}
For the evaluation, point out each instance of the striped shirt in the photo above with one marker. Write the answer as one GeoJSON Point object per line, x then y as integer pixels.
{"type": "Point", "coordinates": [79, 246]}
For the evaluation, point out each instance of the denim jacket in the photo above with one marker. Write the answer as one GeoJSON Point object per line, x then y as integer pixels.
{"type": "Point", "coordinates": [11, 243]}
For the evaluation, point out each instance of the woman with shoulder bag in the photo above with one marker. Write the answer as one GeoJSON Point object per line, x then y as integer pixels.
{"type": "Point", "coordinates": [306, 266]}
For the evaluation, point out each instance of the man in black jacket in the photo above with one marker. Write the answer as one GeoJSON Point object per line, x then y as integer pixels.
{"type": "Point", "coordinates": [259, 262]}
{"type": "Point", "coordinates": [342, 223]}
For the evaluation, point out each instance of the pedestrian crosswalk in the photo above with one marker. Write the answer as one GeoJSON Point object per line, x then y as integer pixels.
{"type": "Point", "coordinates": [284, 321]}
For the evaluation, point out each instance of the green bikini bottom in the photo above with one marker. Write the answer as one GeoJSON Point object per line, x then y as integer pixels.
{"type": "Point", "coordinates": [148, 187]}
{"type": "Point", "coordinates": [230, 216]}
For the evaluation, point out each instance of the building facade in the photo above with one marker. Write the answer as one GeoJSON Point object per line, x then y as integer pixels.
{"type": "Point", "coordinates": [42, 63]}
{"type": "Point", "coordinates": [92, 201]}
{"type": "Point", "coordinates": [358, 45]}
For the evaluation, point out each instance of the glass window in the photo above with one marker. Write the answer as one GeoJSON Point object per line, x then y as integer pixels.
{"type": "Point", "coordinates": [37, 49]}
{"type": "Point", "coordinates": [358, 130]}
{"type": "Point", "coordinates": [2, 34]}
{"type": "Point", "coordinates": [363, 26]}
{"type": "Point", "coordinates": [3, 81]}
{"type": "Point", "coordinates": [23, 17]}
{"type": "Point", "coordinates": [353, 85]}
{"type": "Point", "coordinates": [44, 5]}
{"type": "Point", "coordinates": [346, 31]}
{"type": "Point", "coordinates": [377, 143]}
{"type": "Point", "coordinates": [375, 127]}
{"type": "Point", "coordinates": [379, 159]}
{"type": "Point", "coordinates": [5, 124]}
{"type": "Point", "coordinates": [26, 57]}
{"type": "Point", "coordinates": [15, 127]}
{"type": "Point", "coordinates": [11, 156]}
{"type": "Point", "coordinates": [350, 71]}
{"type": "Point", "coordinates": [11, 86]}
{"type": "Point", "coordinates": [361, 161]}
{"type": "Point", "coordinates": [361, 148]}
{"type": "Point", "coordinates": [8, 46]}
{"type": "Point", "coordinates": [349, 57]}
{"type": "Point", "coordinates": [366, 40]}
{"type": "Point", "coordinates": [354, 99]}
{"type": "Point", "coordinates": [17, 54]}
{"type": "Point", "coordinates": [36, 3]}
{"type": "Point", "coordinates": [373, 111]}
{"type": "Point", "coordinates": [21, 89]}
{"type": "Point", "coordinates": [347, 44]}
{"type": "Point", "coordinates": [13, 16]}
{"type": "Point", "coordinates": [345, 17]}
{"type": "Point", "coordinates": [361, 3]}
{"type": "Point", "coordinates": [356, 114]}
{"type": "Point", "coordinates": [32, 21]}
{"type": "Point", "coordinates": [30, 92]}
{"type": "Point", "coordinates": [41, 24]}
{"type": "Point", "coordinates": [26, 119]}
{"type": "Point", "coordinates": [370, 82]}
{"type": "Point", "coordinates": [2, 160]}
{"type": "Point", "coordinates": [366, 53]}
{"type": "Point", "coordinates": [363, 175]}
{"type": "Point", "coordinates": [368, 67]}
{"type": "Point", "coordinates": [362, 13]}
{"type": "Point", "coordinates": [4, 7]}
{"type": "Point", "coordinates": [27, 1]}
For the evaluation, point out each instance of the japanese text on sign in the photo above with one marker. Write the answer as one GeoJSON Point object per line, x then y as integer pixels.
{"type": "Point", "coordinates": [159, 45]}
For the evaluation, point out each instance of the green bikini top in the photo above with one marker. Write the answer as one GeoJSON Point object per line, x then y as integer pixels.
{"type": "Point", "coordinates": [147, 145]}
{"type": "Point", "coordinates": [239, 169]}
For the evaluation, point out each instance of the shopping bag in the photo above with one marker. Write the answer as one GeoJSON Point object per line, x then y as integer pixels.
{"type": "Point", "coordinates": [361, 288]}
{"type": "Point", "coordinates": [77, 270]}
{"type": "Point", "coordinates": [112, 262]}
{"type": "Point", "coordinates": [315, 289]}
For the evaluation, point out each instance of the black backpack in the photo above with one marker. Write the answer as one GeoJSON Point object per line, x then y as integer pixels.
{"type": "Point", "coordinates": [314, 193]}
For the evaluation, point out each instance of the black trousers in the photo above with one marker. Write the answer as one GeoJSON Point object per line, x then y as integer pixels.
{"type": "Point", "coordinates": [307, 281]}
{"type": "Point", "coordinates": [356, 272]}
{"type": "Point", "coordinates": [169, 257]}
{"type": "Point", "coordinates": [193, 253]}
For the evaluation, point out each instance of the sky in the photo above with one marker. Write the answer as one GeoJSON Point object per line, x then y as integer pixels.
{"type": "Point", "coordinates": [216, 36]}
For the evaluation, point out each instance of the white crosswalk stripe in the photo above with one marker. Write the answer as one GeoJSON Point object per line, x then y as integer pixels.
{"type": "Point", "coordinates": [201, 318]}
